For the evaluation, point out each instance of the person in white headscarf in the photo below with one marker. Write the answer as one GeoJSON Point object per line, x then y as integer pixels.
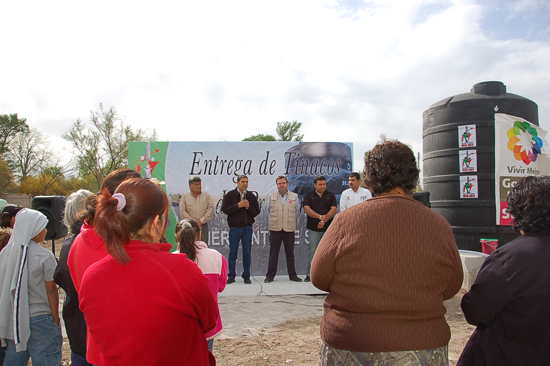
{"type": "Point", "coordinates": [29, 301]}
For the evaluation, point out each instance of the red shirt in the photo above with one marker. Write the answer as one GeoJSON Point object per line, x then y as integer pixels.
{"type": "Point", "coordinates": [87, 249]}
{"type": "Point", "coordinates": [151, 311]}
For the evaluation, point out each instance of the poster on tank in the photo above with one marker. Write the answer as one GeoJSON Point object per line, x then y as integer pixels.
{"type": "Point", "coordinates": [219, 163]}
{"type": "Point", "coordinates": [468, 186]}
{"type": "Point", "coordinates": [467, 136]}
{"type": "Point", "coordinates": [521, 149]}
{"type": "Point", "coordinates": [468, 161]}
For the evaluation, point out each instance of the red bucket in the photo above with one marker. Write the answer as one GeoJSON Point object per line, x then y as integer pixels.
{"type": "Point", "coordinates": [488, 245]}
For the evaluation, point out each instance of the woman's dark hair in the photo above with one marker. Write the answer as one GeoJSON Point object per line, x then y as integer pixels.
{"type": "Point", "coordinates": [529, 204]}
{"type": "Point", "coordinates": [144, 201]}
{"type": "Point", "coordinates": [87, 216]}
{"type": "Point", "coordinates": [8, 213]}
{"type": "Point", "coordinates": [389, 165]}
{"type": "Point", "coordinates": [5, 236]}
{"type": "Point", "coordinates": [187, 232]}
{"type": "Point", "coordinates": [111, 181]}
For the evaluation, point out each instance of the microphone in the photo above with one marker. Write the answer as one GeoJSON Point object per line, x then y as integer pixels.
{"type": "Point", "coordinates": [244, 197]}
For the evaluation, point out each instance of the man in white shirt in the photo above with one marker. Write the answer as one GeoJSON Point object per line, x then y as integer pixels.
{"type": "Point", "coordinates": [355, 194]}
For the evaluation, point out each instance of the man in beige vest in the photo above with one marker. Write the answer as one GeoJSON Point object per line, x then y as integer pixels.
{"type": "Point", "coordinates": [282, 206]}
{"type": "Point", "coordinates": [197, 205]}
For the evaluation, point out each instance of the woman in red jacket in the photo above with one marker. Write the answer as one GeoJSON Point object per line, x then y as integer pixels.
{"type": "Point", "coordinates": [143, 305]}
{"type": "Point", "coordinates": [88, 247]}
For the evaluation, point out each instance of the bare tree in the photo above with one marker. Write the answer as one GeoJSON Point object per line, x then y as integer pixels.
{"type": "Point", "coordinates": [28, 153]}
{"type": "Point", "coordinates": [102, 146]}
{"type": "Point", "coordinates": [50, 176]}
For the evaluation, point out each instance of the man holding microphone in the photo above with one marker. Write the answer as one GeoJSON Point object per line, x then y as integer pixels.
{"type": "Point", "coordinates": [241, 207]}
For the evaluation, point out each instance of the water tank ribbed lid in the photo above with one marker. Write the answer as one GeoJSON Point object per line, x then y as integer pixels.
{"type": "Point", "coordinates": [492, 88]}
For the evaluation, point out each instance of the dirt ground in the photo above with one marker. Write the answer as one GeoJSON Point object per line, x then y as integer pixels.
{"type": "Point", "coordinates": [280, 330]}
{"type": "Point", "coordinates": [295, 340]}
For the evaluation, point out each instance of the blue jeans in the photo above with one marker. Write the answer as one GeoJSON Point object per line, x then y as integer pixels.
{"type": "Point", "coordinates": [44, 346]}
{"type": "Point", "coordinates": [76, 360]}
{"type": "Point", "coordinates": [2, 355]}
{"type": "Point", "coordinates": [243, 235]}
{"type": "Point", "coordinates": [314, 239]}
{"type": "Point", "coordinates": [210, 344]}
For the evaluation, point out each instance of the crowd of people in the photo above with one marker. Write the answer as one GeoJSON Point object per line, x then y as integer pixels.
{"type": "Point", "coordinates": [386, 261]}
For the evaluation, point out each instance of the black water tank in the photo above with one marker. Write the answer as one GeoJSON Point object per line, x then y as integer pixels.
{"type": "Point", "coordinates": [470, 218]}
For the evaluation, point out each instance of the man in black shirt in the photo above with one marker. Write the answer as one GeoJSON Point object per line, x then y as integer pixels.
{"type": "Point", "coordinates": [240, 207]}
{"type": "Point", "coordinates": [320, 207]}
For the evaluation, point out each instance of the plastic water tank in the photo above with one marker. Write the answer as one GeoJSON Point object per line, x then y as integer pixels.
{"type": "Point", "coordinates": [470, 218]}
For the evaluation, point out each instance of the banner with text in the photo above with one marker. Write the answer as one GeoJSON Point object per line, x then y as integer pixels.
{"type": "Point", "coordinates": [521, 149]}
{"type": "Point", "coordinates": [218, 164]}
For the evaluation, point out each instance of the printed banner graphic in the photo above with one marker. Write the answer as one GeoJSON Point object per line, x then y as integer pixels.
{"type": "Point", "coordinates": [218, 164]}
{"type": "Point", "coordinates": [467, 136]}
{"type": "Point", "coordinates": [521, 149]}
{"type": "Point", "coordinates": [468, 161]}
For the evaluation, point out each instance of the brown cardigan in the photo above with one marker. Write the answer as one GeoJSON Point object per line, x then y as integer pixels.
{"type": "Point", "coordinates": [388, 263]}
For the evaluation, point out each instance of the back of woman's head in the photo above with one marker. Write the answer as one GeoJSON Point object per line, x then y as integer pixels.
{"type": "Point", "coordinates": [7, 214]}
{"type": "Point", "coordinates": [390, 164]}
{"type": "Point", "coordinates": [87, 215]}
{"type": "Point", "coordinates": [74, 206]}
{"type": "Point", "coordinates": [110, 183]}
{"type": "Point", "coordinates": [529, 204]}
{"type": "Point", "coordinates": [129, 214]}
{"type": "Point", "coordinates": [114, 178]}
{"type": "Point", "coordinates": [187, 232]}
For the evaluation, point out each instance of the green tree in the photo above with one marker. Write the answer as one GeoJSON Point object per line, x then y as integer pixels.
{"type": "Point", "coordinates": [102, 146]}
{"type": "Point", "coordinates": [10, 127]}
{"type": "Point", "coordinates": [260, 137]}
{"type": "Point", "coordinates": [289, 131]}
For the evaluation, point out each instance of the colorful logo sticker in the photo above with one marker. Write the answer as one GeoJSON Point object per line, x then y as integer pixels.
{"type": "Point", "coordinates": [468, 186]}
{"type": "Point", "coordinates": [524, 142]}
{"type": "Point", "coordinates": [467, 136]}
{"type": "Point", "coordinates": [468, 161]}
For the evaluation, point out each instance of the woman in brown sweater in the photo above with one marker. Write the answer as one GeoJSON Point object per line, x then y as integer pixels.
{"type": "Point", "coordinates": [388, 264]}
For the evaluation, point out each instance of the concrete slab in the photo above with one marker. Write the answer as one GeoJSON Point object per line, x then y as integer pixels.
{"type": "Point", "coordinates": [279, 286]}
{"type": "Point", "coordinates": [471, 263]}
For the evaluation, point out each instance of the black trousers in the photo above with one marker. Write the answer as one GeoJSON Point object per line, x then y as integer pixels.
{"type": "Point", "coordinates": [275, 239]}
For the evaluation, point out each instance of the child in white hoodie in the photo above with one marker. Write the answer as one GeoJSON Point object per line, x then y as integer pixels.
{"type": "Point", "coordinates": [29, 300]}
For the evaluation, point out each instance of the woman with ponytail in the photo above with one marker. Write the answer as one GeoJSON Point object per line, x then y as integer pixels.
{"type": "Point", "coordinates": [88, 247]}
{"type": "Point", "coordinates": [212, 264]}
{"type": "Point", "coordinates": [143, 305]}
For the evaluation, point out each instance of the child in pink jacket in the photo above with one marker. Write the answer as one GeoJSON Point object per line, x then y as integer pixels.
{"type": "Point", "coordinates": [212, 264]}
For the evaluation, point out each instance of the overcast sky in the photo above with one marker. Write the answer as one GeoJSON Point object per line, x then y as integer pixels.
{"type": "Point", "coordinates": [349, 70]}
